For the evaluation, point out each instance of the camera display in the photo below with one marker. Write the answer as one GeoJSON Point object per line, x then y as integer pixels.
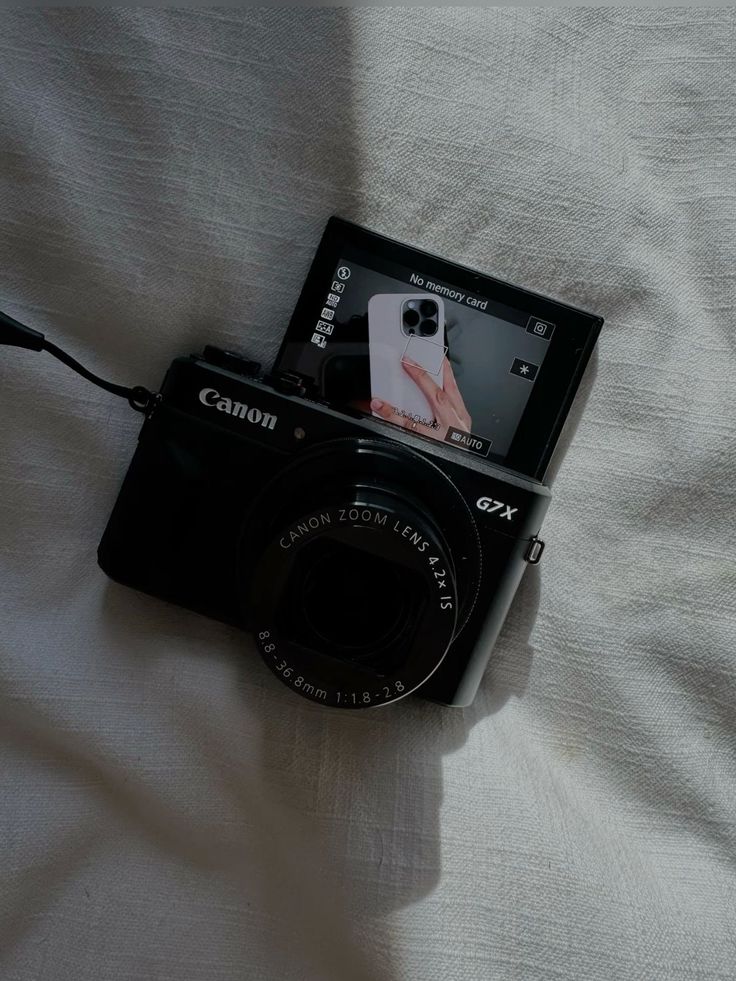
{"type": "Point", "coordinates": [435, 348]}
{"type": "Point", "coordinates": [369, 560]}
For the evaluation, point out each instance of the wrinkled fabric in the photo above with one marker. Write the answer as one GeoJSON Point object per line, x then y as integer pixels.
{"type": "Point", "coordinates": [167, 809]}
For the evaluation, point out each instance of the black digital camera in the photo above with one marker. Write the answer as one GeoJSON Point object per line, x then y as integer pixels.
{"type": "Point", "coordinates": [365, 566]}
{"type": "Point", "coordinates": [368, 508]}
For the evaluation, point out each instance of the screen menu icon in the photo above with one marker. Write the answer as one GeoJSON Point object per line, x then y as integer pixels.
{"type": "Point", "coordinates": [469, 441]}
{"type": "Point", "coordinates": [540, 328]}
{"type": "Point", "coordinates": [524, 369]}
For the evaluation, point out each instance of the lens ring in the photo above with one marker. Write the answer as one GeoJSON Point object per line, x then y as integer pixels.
{"type": "Point", "coordinates": [351, 468]}
{"type": "Point", "coordinates": [379, 529]}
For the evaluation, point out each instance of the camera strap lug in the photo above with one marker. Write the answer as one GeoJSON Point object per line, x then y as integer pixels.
{"type": "Point", "coordinates": [534, 552]}
{"type": "Point", "coordinates": [153, 400]}
{"type": "Point", "coordinates": [142, 400]}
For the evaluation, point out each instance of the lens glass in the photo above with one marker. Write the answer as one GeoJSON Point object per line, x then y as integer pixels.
{"type": "Point", "coordinates": [411, 317]}
{"type": "Point", "coordinates": [351, 604]}
{"type": "Point", "coordinates": [428, 308]}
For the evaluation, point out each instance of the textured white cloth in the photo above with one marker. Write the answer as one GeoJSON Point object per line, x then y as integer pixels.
{"type": "Point", "coordinates": [167, 809]}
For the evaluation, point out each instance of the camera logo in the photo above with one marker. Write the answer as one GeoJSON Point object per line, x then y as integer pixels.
{"type": "Point", "coordinates": [491, 506]}
{"type": "Point", "coordinates": [250, 413]}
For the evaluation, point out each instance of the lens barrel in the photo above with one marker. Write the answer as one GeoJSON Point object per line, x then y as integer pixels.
{"type": "Point", "coordinates": [353, 585]}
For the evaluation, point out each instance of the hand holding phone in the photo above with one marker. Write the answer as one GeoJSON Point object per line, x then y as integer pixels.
{"type": "Point", "coordinates": [445, 401]}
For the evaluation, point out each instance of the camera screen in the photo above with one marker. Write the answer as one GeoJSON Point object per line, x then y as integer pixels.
{"type": "Point", "coordinates": [436, 349]}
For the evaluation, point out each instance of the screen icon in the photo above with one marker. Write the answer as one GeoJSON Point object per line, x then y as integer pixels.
{"type": "Point", "coordinates": [332, 300]}
{"type": "Point", "coordinates": [524, 369]}
{"type": "Point", "coordinates": [319, 339]}
{"type": "Point", "coordinates": [323, 327]}
{"type": "Point", "coordinates": [469, 441]}
{"type": "Point", "coordinates": [540, 328]}
{"type": "Point", "coordinates": [343, 273]}
{"type": "Point", "coordinates": [337, 286]}
{"type": "Point", "coordinates": [327, 314]}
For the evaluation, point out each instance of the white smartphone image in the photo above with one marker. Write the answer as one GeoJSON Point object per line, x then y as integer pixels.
{"type": "Point", "coordinates": [405, 325]}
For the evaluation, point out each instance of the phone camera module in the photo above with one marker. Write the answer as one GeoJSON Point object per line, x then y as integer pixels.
{"type": "Point", "coordinates": [427, 328]}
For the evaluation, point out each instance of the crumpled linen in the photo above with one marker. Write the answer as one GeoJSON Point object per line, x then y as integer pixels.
{"type": "Point", "coordinates": [167, 809]}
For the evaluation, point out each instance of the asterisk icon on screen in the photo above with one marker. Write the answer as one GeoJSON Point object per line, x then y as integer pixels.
{"type": "Point", "coordinates": [524, 369]}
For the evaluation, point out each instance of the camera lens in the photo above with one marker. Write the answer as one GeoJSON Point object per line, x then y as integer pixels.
{"type": "Point", "coordinates": [353, 604]}
{"type": "Point", "coordinates": [352, 592]}
{"type": "Point", "coordinates": [349, 583]}
{"type": "Point", "coordinates": [428, 308]}
{"type": "Point", "coordinates": [411, 317]}
{"type": "Point", "coordinates": [427, 328]}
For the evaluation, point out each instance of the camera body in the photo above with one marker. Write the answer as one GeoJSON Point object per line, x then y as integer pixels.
{"type": "Point", "coordinates": [367, 562]}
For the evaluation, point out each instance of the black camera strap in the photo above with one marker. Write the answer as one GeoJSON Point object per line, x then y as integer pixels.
{"type": "Point", "coordinates": [16, 334]}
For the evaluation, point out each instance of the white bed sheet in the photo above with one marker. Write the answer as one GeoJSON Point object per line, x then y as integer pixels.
{"type": "Point", "coordinates": [167, 809]}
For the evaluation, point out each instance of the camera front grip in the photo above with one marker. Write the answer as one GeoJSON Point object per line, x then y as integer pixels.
{"type": "Point", "coordinates": [15, 334]}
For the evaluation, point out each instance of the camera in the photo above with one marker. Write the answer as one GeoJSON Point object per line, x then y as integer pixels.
{"type": "Point", "coordinates": [367, 508]}
{"type": "Point", "coordinates": [366, 566]}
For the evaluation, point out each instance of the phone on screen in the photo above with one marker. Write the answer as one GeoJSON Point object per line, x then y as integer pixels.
{"type": "Point", "coordinates": [405, 327]}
